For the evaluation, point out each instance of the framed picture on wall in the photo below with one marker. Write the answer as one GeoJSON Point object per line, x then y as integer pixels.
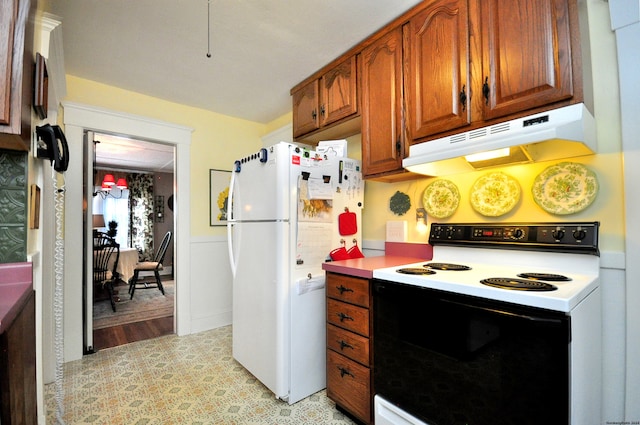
{"type": "Point", "coordinates": [218, 196]}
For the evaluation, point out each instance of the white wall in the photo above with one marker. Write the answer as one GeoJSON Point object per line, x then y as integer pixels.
{"type": "Point", "coordinates": [210, 283]}
{"type": "Point", "coordinates": [625, 21]}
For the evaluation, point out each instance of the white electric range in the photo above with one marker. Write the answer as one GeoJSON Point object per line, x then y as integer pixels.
{"type": "Point", "coordinates": [491, 292]}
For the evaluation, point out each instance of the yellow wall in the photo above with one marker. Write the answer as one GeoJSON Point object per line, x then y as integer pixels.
{"type": "Point", "coordinates": [217, 140]}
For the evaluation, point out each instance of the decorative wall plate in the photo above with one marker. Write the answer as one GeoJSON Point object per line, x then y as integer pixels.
{"type": "Point", "coordinates": [495, 194]}
{"type": "Point", "coordinates": [441, 198]}
{"type": "Point", "coordinates": [399, 203]}
{"type": "Point", "coordinates": [565, 188]}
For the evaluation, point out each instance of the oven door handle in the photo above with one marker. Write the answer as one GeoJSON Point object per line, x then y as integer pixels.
{"type": "Point", "coordinates": [505, 313]}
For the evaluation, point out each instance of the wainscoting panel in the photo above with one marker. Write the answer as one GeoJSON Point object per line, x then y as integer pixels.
{"type": "Point", "coordinates": [210, 283]}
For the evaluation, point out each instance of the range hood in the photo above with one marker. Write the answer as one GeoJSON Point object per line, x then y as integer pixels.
{"type": "Point", "coordinates": [561, 133]}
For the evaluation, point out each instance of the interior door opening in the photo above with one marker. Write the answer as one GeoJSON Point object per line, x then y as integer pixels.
{"type": "Point", "coordinates": [138, 215]}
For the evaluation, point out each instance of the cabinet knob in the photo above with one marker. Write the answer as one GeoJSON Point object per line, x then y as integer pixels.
{"type": "Point", "coordinates": [344, 317]}
{"type": "Point", "coordinates": [344, 345]}
{"type": "Point", "coordinates": [314, 114]}
{"type": "Point", "coordinates": [344, 372]}
{"type": "Point", "coordinates": [322, 110]}
{"type": "Point", "coordinates": [486, 90]}
{"type": "Point", "coordinates": [463, 97]}
{"type": "Point", "coordinates": [343, 289]}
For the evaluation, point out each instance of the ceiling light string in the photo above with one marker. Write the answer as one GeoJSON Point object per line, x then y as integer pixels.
{"type": "Point", "coordinates": [208, 28]}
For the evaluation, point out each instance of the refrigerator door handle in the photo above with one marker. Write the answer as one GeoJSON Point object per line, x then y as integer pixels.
{"type": "Point", "coordinates": [232, 260]}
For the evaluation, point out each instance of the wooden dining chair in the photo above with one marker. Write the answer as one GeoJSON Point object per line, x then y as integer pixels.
{"type": "Point", "coordinates": [150, 266]}
{"type": "Point", "coordinates": [104, 271]}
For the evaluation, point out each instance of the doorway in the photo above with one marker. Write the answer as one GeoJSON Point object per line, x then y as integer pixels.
{"type": "Point", "coordinates": [137, 218]}
{"type": "Point", "coordinates": [78, 119]}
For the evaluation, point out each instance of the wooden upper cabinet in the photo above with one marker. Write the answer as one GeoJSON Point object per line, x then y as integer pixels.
{"type": "Point", "coordinates": [305, 109]}
{"type": "Point", "coordinates": [8, 11]}
{"type": "Point", "coordinates": [444, 67]}
{"type": "Point", "coordinates": [382, 138]}
{"type": "Point", "coordinates": [16, 73]}
{"type": "Point", "coordinates": [327, 99]}
{"type": "Point", "coordinates": [338, 94]}
{"type": "Point", "coordinates": [526, 55]}
{"type": "Point", "coordinates": [437, 78]}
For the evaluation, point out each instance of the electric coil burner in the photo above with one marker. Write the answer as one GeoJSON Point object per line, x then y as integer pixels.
{"type": "Point", "coordinates": [549, 277]}
{"type": "Point", "coordinates": [415, 270]}
{"type": "Point", "coordinates": [447, 266]}
{"type": "Point", "coordinates": [518, 284]}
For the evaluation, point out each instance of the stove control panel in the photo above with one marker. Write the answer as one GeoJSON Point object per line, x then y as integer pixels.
{"type": "Point", "coordinates": [569, 236]}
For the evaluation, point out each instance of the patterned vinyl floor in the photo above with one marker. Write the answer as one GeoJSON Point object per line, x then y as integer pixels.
{"type": "Point", "coordinates": [177, 380]}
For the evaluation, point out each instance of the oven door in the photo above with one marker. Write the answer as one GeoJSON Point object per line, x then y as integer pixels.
{"type": "Point", "coordinates": [451, 359]}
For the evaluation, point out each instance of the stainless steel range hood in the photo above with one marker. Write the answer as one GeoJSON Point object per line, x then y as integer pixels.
{"type": "Point", "coordinates": [561, 133]}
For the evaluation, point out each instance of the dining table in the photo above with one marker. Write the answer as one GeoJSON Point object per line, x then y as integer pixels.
{"type": "Point", "coordinates": [126, 263]}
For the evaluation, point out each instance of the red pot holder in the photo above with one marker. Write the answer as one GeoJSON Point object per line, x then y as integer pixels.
{"type": "Point", "coordinates": [354, 251]}
{"type": "Point", "coordinates": [339, 254]}
{"type": "Point", "coordinates": [347, 223]}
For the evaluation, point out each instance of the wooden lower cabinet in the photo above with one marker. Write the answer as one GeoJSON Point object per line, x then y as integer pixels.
{"type": "Point", "coordinates": [349, 366]}
{"type": "Point", "coordinates": [18, 403]}
{"type": "Point", "coordinates": [349, 385]}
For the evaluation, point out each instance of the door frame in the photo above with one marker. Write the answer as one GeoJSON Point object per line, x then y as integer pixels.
{"type": "Point", "coordinates": [79, 118]}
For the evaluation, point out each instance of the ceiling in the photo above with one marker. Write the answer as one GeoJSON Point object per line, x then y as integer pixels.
{"type": "Point", "coordinates": [259, 49]}
{"type": "Point", "coordinates": [114, 152]}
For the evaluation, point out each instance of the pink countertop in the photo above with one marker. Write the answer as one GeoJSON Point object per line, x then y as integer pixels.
{"type": "Point", "coordinates": [396, 254]}
{"type": "Point", "coordinates": [15, 287]}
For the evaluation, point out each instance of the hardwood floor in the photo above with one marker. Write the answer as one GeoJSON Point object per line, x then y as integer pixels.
{"type": "Point", "coordinates": [131, 332]}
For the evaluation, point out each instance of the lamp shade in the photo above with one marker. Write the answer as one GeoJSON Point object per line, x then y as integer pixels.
{"type": "Point", "coordinates": [98, 221]}
{"type": "Point", "coordinates": [121, 183]}
{"type": "Point", "coordinates": [105, 187]}
{"type": "Point", "coordinates": [108, 180]}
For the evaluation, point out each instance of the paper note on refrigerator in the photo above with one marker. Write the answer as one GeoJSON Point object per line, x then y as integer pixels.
{"type": "Point", "coordinates": [309, 284]}
{"type": "Point", "coordinates": [313, 245]}
{"type": "Point", "coordinates": [309, 209]}
{"type": "Point", "coordinates": [318, 189]}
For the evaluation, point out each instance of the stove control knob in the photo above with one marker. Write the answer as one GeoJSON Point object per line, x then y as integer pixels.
{"type": "Point", "coordinates": [518, 233]}
{"type": "Point", "coordinates": [579, 234]}
{"type": "Point", "coordinates": [557, 234]}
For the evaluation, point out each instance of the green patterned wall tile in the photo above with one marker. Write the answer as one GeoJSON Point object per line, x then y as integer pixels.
{"type": "Point", "coordinates": [13, 206]}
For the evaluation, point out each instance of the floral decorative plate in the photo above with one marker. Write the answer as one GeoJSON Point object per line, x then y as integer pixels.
{"type": "Point", "coordinates": [495, 194]}
{"type": "Point", "coordinates": [441, 198]}
{"type": "Point", "coordinates": [565, 188]}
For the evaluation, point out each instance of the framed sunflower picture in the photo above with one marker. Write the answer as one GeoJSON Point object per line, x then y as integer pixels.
{"type": "Point", "coordinates": [218, 195]}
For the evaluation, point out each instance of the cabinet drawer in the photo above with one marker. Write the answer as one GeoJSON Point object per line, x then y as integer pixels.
{"type": "Point", "coordinates": [349, 289]}
{"type": "Point", "coordinates": [349, 385]}
{"type": "Point", "coordinates": [348, 316]}
{"type": "Point", "coordinates": [354, 346]}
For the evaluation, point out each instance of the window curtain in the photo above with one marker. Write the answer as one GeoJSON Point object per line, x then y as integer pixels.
{"type": "Point", "coordinates": [141, 210]}
{"type": "Point", "coordinates": [114, 209]}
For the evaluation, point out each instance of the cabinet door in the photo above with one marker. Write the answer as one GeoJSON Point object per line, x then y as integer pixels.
{"type": "Point", "coordinates": [437, 60]}
{"type": "Point", "coordinates": [382, 139]}
{"type": "Point", "coordinates": [338, 92]}
{"type": "Point", "coordinates": [305, 109]}
{"type": "Point", "coordinates": [526, 54]}
{"type": "Point", "coordinates": [349, 385]}
{"type": "Point", "coordinates": [7, 20]}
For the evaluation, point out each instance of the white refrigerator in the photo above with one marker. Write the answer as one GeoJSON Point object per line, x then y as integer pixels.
{"type": "Point", "coordinates": [284, 202]}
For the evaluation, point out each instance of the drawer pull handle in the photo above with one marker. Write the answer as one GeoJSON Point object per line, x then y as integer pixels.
{"type": "Point", "coordinates": [343, 289]}
{"type": "Point", "coordinates": [344, 345]}
{"type": "Point", "coordinates": [344, 317]}
{"type": "Point", "coordinates": [344, 372]}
